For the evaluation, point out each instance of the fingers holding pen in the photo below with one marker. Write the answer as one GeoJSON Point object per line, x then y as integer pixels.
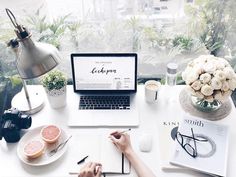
{"type": "Point", "coordinates": [118, 134]}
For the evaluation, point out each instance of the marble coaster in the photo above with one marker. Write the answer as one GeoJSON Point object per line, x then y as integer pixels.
{"type": "Point", "coordinates": [186, 103]}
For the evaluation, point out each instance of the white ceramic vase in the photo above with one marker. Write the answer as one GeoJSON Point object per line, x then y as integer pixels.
{"type": "Point", "coordinates": [57, 98]}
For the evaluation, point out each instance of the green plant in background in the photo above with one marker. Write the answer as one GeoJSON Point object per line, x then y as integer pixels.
{"type": "Point", "coordinates": [9, 87]}
{"type": "Point", "coordinates": [15, 80]}
{"type": "Point", "coordinates": [7, 57]}
{"type": "Point", "coordinates": [159, 39]}
{"type": "Point", "coordinates": [38, 21]}
{"type": "Point", "coordinates": [9, 83]}
{"type": "Point", "coordinates": [7, 60]}
{"type": "Point", "coordinates": [49, 32]}
{"type": "Point", "coordinates": [6, 30]}
{"type": "Point", "coordinates": [54, 80]}
{"type": "Point", "coordinates": [231, 28]}
{"type": "Point", "coordinates": [134, 23]}
{"type": "Point", "coordinates": [58, 27]}
{"type": "Point", "coordinates": [152, 35]}
{"type": "Point", "coordinates": [207, 22]}
{"type": "Point", "coordinates": [74, 31]}
{"type": "Point", "coordinates": [185, 43]}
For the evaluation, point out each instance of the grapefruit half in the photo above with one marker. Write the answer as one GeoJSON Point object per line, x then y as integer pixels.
{"type": "Point", "coordinates": [34, 149]}
{"type": "Point", "coordinates": [50, 133]}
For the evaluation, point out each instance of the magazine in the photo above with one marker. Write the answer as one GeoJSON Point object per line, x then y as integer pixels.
{"type": "Point", "coordinates": [167, 129]}
{"type": "Point", "coordinates": [201, 145]}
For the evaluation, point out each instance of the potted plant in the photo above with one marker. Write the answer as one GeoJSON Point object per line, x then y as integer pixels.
{"type": "Point", "coordinates": [54, 83]}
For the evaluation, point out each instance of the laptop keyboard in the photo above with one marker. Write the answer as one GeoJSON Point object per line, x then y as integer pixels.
{"type": "Point", "coordinates": [104, 102]}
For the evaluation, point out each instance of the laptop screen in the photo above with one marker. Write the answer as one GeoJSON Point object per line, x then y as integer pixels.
{"type": "Point", "coordinates": [104, 72]}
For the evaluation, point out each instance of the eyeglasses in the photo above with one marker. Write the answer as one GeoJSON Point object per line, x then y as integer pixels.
{"type": "Point", "coordinates": [192, 151]}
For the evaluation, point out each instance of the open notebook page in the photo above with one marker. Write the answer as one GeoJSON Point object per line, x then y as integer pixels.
{"type": "Point", "coordinates": [112, 160]}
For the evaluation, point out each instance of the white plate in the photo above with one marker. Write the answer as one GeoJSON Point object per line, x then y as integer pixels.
{"type": "Point", "coordinates": [45, 159]}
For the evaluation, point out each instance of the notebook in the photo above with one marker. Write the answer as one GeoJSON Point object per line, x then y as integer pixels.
{"type": "Point", "coordinates": [99, 148]}
{"type": "Point", "coordinates": [112, 160]}
{"type": "Point", "coordinates": [106, 85]}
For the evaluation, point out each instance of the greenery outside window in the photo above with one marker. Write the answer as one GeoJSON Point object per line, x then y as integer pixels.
{"type": "Point", "coordinates": [159, 31]}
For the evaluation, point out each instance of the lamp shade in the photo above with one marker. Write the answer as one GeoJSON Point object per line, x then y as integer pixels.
{"type": "Point", "coordinates": [35, 58]}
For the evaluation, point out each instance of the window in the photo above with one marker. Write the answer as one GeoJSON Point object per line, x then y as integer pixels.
{"type": "Point", "coordinates": [159, 31]}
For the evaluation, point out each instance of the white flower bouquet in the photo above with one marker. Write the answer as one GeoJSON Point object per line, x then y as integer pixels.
{"type": "Point", "coordinates": [210, 78]}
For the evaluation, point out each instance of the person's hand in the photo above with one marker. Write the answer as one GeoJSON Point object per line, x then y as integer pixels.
{"type": "Point", "coordinates": [91, 169]}
{"type": "Point", "coordinates": [121, 141]}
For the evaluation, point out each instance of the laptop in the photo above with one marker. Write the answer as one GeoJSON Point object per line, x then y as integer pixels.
{"type": "Point", "coordinates": [106, 85]}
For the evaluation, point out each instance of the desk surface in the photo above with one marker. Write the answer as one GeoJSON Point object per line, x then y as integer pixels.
{"type": "Point", "coordinates": [149, 114]}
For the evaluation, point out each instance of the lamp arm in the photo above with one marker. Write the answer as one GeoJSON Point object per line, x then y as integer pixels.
{"type": "Point", "coordinates": [26, 93]}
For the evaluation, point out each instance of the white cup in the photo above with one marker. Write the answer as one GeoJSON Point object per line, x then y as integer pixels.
{"type": "Point", "coordinates": [152, 88]}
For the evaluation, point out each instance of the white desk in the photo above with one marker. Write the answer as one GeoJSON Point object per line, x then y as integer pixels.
{"type": "Point", "coordinates": [10, 165]}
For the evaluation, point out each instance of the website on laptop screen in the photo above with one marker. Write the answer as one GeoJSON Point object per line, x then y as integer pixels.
{"type": "Point", "coordinates": [104, 72]}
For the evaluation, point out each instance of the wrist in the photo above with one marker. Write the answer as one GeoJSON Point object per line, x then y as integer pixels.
{"type": "Point", "coordinates": [128, 152]}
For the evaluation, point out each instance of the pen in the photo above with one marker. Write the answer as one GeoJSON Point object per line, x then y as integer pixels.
{"type": "Point", "coordinates": [73, 173]}
{"type": "Point", "coordinates": [125, 131]}
{"type": "Point", "coordinates": [82, 160]}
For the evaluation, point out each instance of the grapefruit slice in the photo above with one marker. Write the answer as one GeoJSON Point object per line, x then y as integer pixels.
{"type": "Point", "coordinates": [50, 133]}
{"type": "Point", "coordinates": [34, 149]}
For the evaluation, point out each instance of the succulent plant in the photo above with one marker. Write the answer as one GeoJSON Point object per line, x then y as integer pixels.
{"type": "Point", "coordinates": [54, 80]}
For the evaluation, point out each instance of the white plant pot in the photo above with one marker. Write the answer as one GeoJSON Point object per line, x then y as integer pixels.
{"type": "Point", "coordinates": [57, 98]}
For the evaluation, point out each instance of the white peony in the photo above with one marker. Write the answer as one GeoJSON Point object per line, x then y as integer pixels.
{"type": "Point", "coordinates": [224, 62]}
{"type": "Point", "coordinates": [218, 96]}
{"type": "Point", "coordinates": [199, 70]}
{"type": "Point", "coordinates": [220, 74]}
{"type": "Point", "coordinates": [207, 90]}
{"type": "Point", "coordinates": [234, 76]}
{"type": "Point", "coordinates": [196, 85]}
{"type": "Point", "coordinates": [209, 99]}
{"type": "Point", "coordinates": [220, 65]}
{"type": "Point", "coordinates": [190, 90]}
{"type": "Point", "coordinates": [229, 72]}
{"type": "Point", "coordinates": [209, 77]}
{"type": "Point", "coordinates": [232, 84]}
{"type": "Point", "coordinates": [209, 67]}
{"type": "Point", "coordinates": [186, 72]}
{"type": "Point", "coordinates": [205, 78]}
{"type": "Point", "coordinates": [199, 95]}
{"type": "Point", "coordinates": [225, 86]}
{"type": "Point", "coordinates": [225, 95]}
{"type": "Point", "coordinates": [216, 83]}
{"type": "Point", "coordinates": [202, 58]}
{"type": "Point", "coordinates": [193, 76]}
{"type": "Point", "coordinates": [228, 93]}
{"type": "Point", "coordinates": [206, 58]}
